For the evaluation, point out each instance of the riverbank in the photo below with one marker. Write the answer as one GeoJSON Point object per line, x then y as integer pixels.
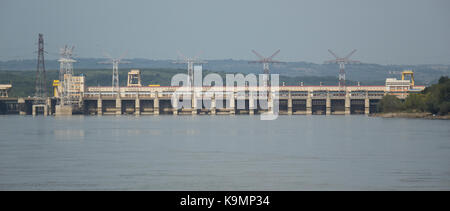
{"type": "Point", "coordinates": [423, 115]}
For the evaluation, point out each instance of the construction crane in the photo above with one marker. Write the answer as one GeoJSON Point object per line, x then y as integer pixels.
{"type": "Point", "coordinates": [266, 61]}
{"type": "Point", "coordinates": [115, 74]}
{"type": "Point", "coordinates": [190, 62]}
{"type": "Point", "coordinates": [342, 61]}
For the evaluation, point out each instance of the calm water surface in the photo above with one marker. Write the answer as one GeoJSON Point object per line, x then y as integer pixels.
{"type": "Point", "coordinates": [223, 153]}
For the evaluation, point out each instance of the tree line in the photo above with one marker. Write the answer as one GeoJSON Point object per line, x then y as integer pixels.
{"type": "Point", "coordinates": [434, 99]}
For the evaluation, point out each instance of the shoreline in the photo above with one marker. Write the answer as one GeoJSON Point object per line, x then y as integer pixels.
{"type": "Point", "coordinates": [413, 115]}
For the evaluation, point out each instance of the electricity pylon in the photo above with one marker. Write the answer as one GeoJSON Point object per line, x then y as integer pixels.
{"type": "Point", "coordinates": [342, 61]}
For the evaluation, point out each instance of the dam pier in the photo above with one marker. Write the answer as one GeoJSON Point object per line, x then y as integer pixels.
{"type": "Point", "coordinates": [291, 100]}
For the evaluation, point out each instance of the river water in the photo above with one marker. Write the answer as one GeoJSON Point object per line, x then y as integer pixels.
{"type": "Point", "coordinates": [223, 153]}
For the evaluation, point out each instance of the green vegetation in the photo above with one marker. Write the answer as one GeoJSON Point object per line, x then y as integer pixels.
{"type": "Point", "coordinates": [434, 99]}
{"type": "Point", "coordinates": [24, 82]}
{"type": "Point", "coordinates": [390, 103]}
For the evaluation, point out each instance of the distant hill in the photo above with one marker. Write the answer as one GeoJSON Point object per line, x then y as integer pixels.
{"type": "Point", "coordinates": [359, 72]}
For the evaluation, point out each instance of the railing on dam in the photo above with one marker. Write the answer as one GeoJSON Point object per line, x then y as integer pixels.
{"type": "Point", "coordinates": [320, 94]}
{"type": "Point", "coordinates": [284, 92]}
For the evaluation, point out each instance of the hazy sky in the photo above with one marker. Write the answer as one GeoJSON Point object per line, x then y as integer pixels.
{"type": "Point", "coordinates": [383, 31]}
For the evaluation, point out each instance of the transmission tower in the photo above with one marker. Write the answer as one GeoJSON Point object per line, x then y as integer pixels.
{"type": "Point", "coordinates": [190, 62]}
{"type": "Point", "coordinates": [41, 88]}
{"type": "Point", "coordinates": [266, 61]}
{"type": "Point", "coordinates": [342, 61]}
{"type": "Point", "coordinates": [115, 74]}
{"type": "Point", "coordinates": [65, 75]}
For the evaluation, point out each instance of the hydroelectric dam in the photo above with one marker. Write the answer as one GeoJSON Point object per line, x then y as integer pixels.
{"type": "Point", "coordinates": [156, 100]}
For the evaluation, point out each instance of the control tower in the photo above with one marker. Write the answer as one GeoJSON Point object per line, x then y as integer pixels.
{"type": "Point", "coordinates": [134, 78]}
